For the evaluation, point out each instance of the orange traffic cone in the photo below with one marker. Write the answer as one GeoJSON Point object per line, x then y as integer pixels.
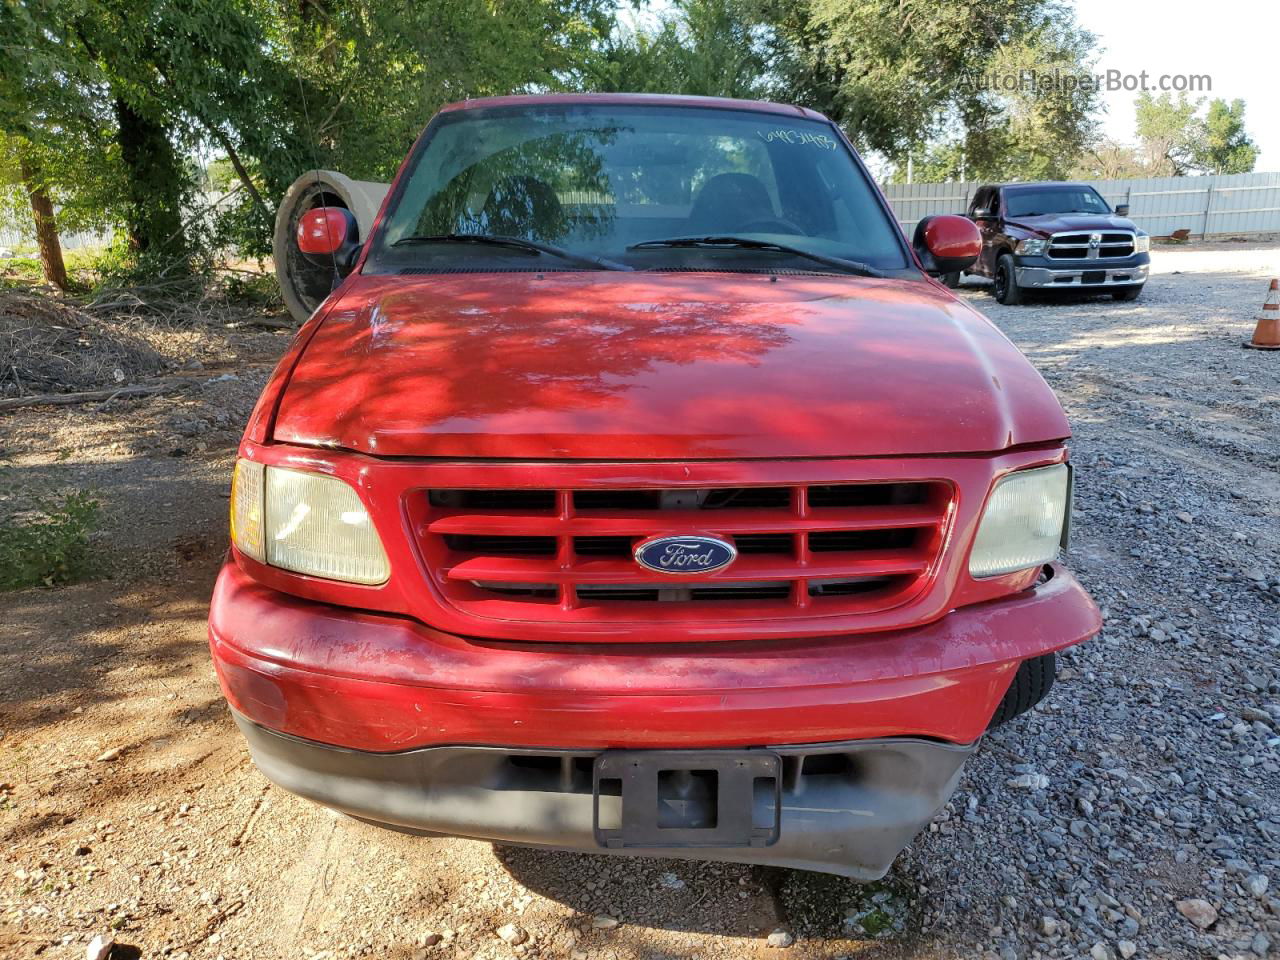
{"type": "Point", "coordinates": [1266, 336]}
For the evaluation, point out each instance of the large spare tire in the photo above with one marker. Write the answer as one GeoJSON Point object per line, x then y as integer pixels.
{"type": "Point", "coordinates": [303, 283]}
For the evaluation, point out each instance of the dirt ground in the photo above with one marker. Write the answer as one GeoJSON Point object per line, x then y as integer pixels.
{"type": "Point", "coordinates": [129, 807]}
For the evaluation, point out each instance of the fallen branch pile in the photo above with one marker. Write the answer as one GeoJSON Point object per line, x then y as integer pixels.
{"type": "Point", "coordinates": [56, 348]}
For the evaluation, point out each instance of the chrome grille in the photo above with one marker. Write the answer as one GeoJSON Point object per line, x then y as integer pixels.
{"type": "Point", "coordinates": [1091, 245]}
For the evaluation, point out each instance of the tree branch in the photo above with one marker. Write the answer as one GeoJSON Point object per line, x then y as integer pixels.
{"type": "Point", "coordinates": [225, 142]}
{"type": "Point", "coordinates": [240, 169]}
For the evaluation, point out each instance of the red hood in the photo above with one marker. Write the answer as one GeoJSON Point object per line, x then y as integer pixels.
{"type": "Point", "coordinates": [614, 366]}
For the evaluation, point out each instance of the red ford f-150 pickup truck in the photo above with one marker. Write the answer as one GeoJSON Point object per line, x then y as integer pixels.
{"type": "Point", "coordinates": [639, 491]}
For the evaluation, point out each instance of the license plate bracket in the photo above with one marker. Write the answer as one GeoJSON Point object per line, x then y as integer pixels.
{"type": "Point", "coordinates": [1094, 276]}
{"type": "Point", "coordinates": [687, 798]}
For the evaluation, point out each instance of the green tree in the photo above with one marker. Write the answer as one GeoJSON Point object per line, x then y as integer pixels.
{"type": "Point", "coordinates": [1037, 130]}
{"type": "Point", "coordinates": [901, 76]}
{"type": "Point", "coordinates": [1169, 133]}
{"type": "Point", "coordinates": [22, 174]}
{"type": "Point", "coordinates": [713, 48]}
{"type": "Point", "coordinates": [59, 167]}
{"type": "Point", "coordinates": [164, 77]}
{"type": "Point", "coordinates": [272, 88]}
{"type": "Point", "coordinates": [1176, 140]}
{"type": "Point", "coordinates": [366, 77]}
{"type": "Point", "coordinates": [1109, 160]}
{"type": "Point", "coordinates": [901, 73]}
{"type": "Point", "coordinates": [1225, 147]}
{"type": "Point", "coordinates": [1029, 116]}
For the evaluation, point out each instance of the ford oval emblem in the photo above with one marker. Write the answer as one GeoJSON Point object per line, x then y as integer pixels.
{"type": "Point", "coordinates": [685, 555]}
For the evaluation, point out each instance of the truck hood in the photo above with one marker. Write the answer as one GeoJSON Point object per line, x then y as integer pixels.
{"type": "Point", "coordinates": [1051, 223]}
{"type": "Point", "coordinates": [645, 365]}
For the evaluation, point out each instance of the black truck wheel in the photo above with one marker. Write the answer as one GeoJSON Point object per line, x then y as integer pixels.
{"type": "Point", "coordinates": [1127, 293]}
{"type": "Point", "coordinates": [1006, 281]}
{"type": "Point", "coordinates": [1031, 684]}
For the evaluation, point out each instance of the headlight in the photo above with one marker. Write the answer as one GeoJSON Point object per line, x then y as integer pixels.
{"type": "Point", "coordinates": [1032, 248]}
{"type": "Point", "coordinates": [305, 522]}
{"type": "Point", "coordinates": [1142, 243]}
{"type": "Point", "coordinates": [1023, 523]}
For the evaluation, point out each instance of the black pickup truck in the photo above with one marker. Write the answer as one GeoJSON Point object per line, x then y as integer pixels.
{"type": "Point", "coordinates": [1056, 236]}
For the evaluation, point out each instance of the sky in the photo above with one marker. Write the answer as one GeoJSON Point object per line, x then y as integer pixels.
{"type": "Point", "coordinates": [1233, 41]}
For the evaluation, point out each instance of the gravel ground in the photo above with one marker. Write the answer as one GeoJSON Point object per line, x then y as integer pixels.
{"type": "Point", "coordinates": [1159, 750]}
{"type": "Point", "coordinates": [1136, 812]}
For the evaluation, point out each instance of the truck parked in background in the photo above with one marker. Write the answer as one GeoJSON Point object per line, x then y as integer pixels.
{"type": "Point", "coordinates": [1056, 236]}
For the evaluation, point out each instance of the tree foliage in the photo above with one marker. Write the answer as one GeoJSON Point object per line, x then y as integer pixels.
{"type": "Point", "coordinates": [126, 107]}
{"type": "Point", "coordinates": [1036, 130]}
{"type": "Point", "coordinates": [273, 88]}
{"type": "Point", "coordinates": [368, 75]}
{"type": "Point", "coordinates": [85, 183]}
{"type": "Point", "coordinates": [901, 76]}
{"type": "Point", "coordinates": [1168, 130]}
{"type": "Point", "coordinates": [712, 48]}
{"type": "Point", "coordinates": [1177, 140]}
{"type": "Point", "coordinates": [161, 79]}
{"type": "Point", "coordinates": [1109, 160]}
{"type": "Point", "coordinates": [1226, 147]}
{"type": "Point", "coordinates": [1027, 117]}
{"type": "Point", "coordinates": [902, 73]}
{"type": "Point", "coordinates": [59, 125]}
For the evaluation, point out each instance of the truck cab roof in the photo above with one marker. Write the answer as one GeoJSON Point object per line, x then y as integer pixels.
{"type": "Point", "coordinates": [631, 99]}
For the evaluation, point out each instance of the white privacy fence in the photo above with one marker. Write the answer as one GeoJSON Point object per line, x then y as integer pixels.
{"type": "Point", "coordinates": [11, 238]}
{"type": "Point", "coordinates": [1243, 203]}
{"type": "Point", "coordinates": [198, 215]}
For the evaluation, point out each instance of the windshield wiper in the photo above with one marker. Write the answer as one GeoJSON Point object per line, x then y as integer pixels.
{"type": "Point", "coordinates": [518, 243]}
{"type": "Point", "coordinates": [747, 243]}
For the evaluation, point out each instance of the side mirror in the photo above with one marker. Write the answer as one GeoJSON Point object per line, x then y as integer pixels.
{"type": "Point", "coordinates": [1122, 209]}
{"type": "Point", "coordinates": [329, 237]}
{"type": "Point", "coordinates": [947, 244]}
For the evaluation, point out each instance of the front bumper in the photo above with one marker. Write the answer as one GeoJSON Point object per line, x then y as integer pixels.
{"type": "Point", "coordinates": [393, 722]}
{"type": "Point", "coordinates": [1044, 273]}
{"type": "Point", "coordinates": [846, 808]}
{"type": "Point", "coordinates": [385, 683]}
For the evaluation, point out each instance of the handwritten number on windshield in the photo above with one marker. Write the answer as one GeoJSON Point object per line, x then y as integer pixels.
{"type": "Point", "coordinates": [798, 138]}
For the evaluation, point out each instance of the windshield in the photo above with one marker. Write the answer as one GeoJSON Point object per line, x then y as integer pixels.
{"type": "Point", "coordinates": [1031, 203]}
{"type": "Point", "coordinates": [596, 180]}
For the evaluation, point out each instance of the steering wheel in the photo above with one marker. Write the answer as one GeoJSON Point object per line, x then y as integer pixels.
{"type": "Point", "coordinates": [772, 225]}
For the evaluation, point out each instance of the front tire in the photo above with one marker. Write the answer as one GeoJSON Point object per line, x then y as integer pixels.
{"type": "Point", "coordinates": [1128, 293]}
{"type": "Point", "coordinates": [1030, 685]}
{"type": "Point", "coordinates": [1006, 282]}
{"type": "Point", "coordinates": [951, 280]}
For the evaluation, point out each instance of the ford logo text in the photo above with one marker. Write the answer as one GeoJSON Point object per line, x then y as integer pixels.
{"type": "Point", "coordinates": [685, 555]}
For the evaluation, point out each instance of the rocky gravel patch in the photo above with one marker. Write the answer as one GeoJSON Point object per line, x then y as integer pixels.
{"type": "Point", "coordinates": [1137, 811]}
